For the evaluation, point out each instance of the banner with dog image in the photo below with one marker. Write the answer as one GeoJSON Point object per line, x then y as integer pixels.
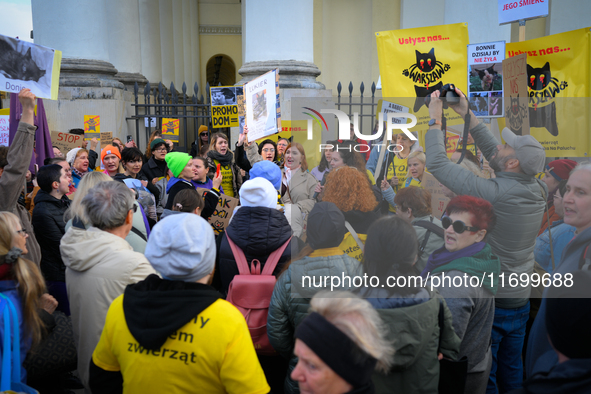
{"type": "Point", "coordinates": [485, 80]}
{"type": "Point", "coordinates": [558, 78]}
{"type": "Point", "coordinates": [26, 65]}
{"type": "Point", "coordinates": [225, 101]}
{"type": "Point", "coordinates": [416, 62]}
{"type": "Point", "coordinates": [263, 113]}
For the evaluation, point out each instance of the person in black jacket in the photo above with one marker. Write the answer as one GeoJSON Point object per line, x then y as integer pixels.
{"type": "Point", "coordinates": [258, 228]}
{"type": "Point", "coordinates": [51, 203]}
{"type": "Point", "coordinates": [156, 168]}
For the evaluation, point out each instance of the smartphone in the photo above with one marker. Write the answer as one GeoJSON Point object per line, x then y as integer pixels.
{"type": "Point", "coordinates": [129, 138]}
{"type": "Point", "coordinates": [217, 172]}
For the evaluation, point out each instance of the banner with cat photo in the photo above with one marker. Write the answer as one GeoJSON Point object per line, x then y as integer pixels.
{"type": "Point", "coordinates": [26, 65]}
{"type": "Point", "coordinates": [559, 85]}
{"type": "Point", "coordinates": [416, 62]}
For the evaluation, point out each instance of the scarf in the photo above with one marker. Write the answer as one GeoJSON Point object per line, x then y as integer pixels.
{"type": "Point", "coordinates": [79, 173]}
{"type": "Point", "coordinates": [288, 173]}
{"type": "Point", "coordinates": [223, 159]}
{"type": "Point", "coordinates": [474, 260]}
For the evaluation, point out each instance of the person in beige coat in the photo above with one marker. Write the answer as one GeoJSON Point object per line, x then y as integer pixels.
{"type": "Point", "coordinates": [297, 184]}
{"type": "Point", "coordinates": [99, 264]}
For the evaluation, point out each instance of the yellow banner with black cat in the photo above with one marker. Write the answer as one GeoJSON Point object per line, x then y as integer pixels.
{"type": "Point", "coordinates": [416, 62]}
{"type": "Point", "coordinates": [559, 86]}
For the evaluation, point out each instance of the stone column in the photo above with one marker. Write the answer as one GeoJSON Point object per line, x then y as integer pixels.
{"type": "Point", "coordinates": [167, 58]}
{"type": "Point", "coordinates": [76, 27]}
{"type": "Point", "coordinates": [178, 39]}
{"type": "Point", "coordinates": [279, 34]}
{"type": "Point", "coordinates": [123, 31]}
{"type": "Point", "coordinates": [150, 40]}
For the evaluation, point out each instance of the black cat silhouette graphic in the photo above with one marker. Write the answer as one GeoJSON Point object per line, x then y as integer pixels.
{"type": "Point", "coordinates": [426, 73]}
{"type": "Point", "coordinates": [542, 90]}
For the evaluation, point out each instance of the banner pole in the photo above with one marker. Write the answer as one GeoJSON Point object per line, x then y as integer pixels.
{"type": "Point", "coordinates": [521, 30]}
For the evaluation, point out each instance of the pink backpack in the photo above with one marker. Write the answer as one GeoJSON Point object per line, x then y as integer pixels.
{"type": "Point", "coordinates": [250, 291]}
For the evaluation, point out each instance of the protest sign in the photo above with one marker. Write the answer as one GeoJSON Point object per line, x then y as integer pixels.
{"type": "Point", "coordinates": [385, 107]}
{"type": "Point", "coordinates": [26, 65]}
{"type": "Point", "coordinates": [513, 11]}
{"type": "Point", "coordinates": [170, 129]}
{"type": "Point", "coordinates": [106, 138]}
{"type": "Point", "coordinates": [223, 211]}
{"type": "Point", "coordinates": [438, 199]}
{"type": "Point", "coordinates": [241, 111]}
{"type": "Point", "coordinates": [559, 85]}
{"type": "Point", "coordinates": [224, 106]}
{"type": "Point", "coordinates": [4, 129]}
{"type": "Point", "coordinates": [516, 94]}
{"type": "Point", "coordinates": [92, 126]}
{"type": "Point", "coordinates": [485, 80]}
{"type": "Point", "coordinates": [263, 114]}
{"type": "Point", "coordinates": [416, 62]}
{"type": "Point", "coordinates": [65, 142]}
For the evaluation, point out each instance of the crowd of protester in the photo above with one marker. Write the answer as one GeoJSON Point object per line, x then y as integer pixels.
{"type": "Point", "coordinates": [116, 245]}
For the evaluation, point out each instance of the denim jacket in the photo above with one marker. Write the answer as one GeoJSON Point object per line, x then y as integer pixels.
{"type": "Point", "coordinates": [562, 234]}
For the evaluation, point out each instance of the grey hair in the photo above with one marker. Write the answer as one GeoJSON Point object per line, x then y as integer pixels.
{"type": "Point", "coordinates": [357, 319]}
{"type": "Point", "coordinates": [586, 165]}
{"type": "Point", "coordinates": [87, 182]}
{"type": "Point", "coordinates": [107, 205]}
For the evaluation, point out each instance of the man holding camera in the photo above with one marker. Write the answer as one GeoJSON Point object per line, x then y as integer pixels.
{"type": "Point", "coordinates": [518, 200]}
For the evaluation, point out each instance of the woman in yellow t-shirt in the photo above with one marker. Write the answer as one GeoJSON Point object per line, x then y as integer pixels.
{"type": "Point", "coordinates": [220, 154]}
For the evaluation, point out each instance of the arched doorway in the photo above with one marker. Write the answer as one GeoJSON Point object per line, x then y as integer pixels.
{"type": "Point", "coordinates": [221, 70]}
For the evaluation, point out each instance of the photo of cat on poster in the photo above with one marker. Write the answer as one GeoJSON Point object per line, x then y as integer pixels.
{"type": "Point", "coordinates": [25, 65]}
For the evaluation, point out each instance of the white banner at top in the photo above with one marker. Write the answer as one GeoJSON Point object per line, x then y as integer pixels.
{"type": "Point", "coordinates": [513, 11]}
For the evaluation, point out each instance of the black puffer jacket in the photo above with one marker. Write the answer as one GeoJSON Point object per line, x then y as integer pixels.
{"type": "Point", "coordinates": [258, 231]}
{"type": "Point", "coordinates": [49, 225]}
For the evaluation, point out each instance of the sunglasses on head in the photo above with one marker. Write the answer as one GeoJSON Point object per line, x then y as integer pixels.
{"type": "Point", "coordinates": [458, 226]}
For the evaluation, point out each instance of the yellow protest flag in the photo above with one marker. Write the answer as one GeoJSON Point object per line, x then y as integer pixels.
{"type": "Point", "coordinates": [416, 62]}
{"type": "Point", "coordinates": [559, 88]}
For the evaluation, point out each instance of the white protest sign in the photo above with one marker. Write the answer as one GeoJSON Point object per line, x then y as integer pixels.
{"type": "Point", "coordinates": [513, 11]}
{"type": "Point", "coordinates": [4, 129]}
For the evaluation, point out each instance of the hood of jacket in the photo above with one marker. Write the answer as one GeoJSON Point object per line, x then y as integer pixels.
{"type": "Point", "coordinates": [155, 308]}
{"type": "Point", "coordinates": [413, 319]}
{"type": "Point", "coordinates": [83, 249]}
{"type": "Point", "coordinates": [43, 196]}
{"type": "Point", "coordinates": [360, 221]}
{"type": "Point", "coordinates": [258, 231]}
{"type": "Point", "coordinates": [572, 376]}
{"type": "Point", "coordinates": [171, 182]}
{"type": "Point", "coordinates": [120, 177]}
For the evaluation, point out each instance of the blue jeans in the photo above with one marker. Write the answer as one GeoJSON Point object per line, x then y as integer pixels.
{"type": "Point", "coordinates": [507, 337]}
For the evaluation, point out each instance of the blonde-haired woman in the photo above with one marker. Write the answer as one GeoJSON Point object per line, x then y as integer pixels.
{"type": "Point", "coordinates": [220, 153]}
{"type": "Point", "coordinates": [339, 345]}
{"type": "Point", "coordinates": [416, 169]}
{"type": "Point", "coordinates": [22, 283]}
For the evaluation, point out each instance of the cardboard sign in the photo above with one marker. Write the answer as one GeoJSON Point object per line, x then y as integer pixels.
{"type": "Point", "coordinates": [92, 126]}
{"type": "Point", "coordinates": [170, 129]}
{"type": "Point", "coordinates": [65, 142]}
{"type": "Point", "coordinates": [513, 11]}
{"type": "Point", "coordinates": [485, 79]}
{"type": "Point", "coordinates": [106, 138]}
{"type": "Point", "coordinates": [516, 94]}
{"type": "Point", "coordinates": [263, 113]}
{"type": "Point", "coordinates": [223, 212]}
{"type": "Point", "coordinates": [224, 106]}
{"type": "Point", "coordinates": [26, 65]}
{"type": "Point", "coordinates": [385, 107]}
{"type": "Point", "coordinates": [4, 129]}
{"type": "Point", "coordinates": [438, 199]}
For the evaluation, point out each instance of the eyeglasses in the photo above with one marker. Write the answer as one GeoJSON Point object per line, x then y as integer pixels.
{"type": "Point", "coordinates": [206, 134]}
{"type": "Point", "coordinates": [134, 208]}
{"type": "Point", "coordinates": [269, 150]}
{"type": "Point", "coordinates": [458, 226]}
{"type": "Point", "coordinates": [163, 149]}
{"type": "Point", "coordinates": [23, 232]}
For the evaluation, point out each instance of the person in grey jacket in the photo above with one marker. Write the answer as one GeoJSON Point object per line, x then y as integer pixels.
{"type": "Point", "coordinates": [540, 356]}
{"type": "Point", "coordinates": [518, 199]}
{"type": "Point", "coordinates": [291, 296]}
{"type": "Point", "coordinates": [467, 221]}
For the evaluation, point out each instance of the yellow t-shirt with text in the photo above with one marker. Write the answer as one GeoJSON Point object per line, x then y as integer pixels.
{"type": "Point", "coordinates": [213, 353]}
{"type": "Point", "coordinates": [227, 175]}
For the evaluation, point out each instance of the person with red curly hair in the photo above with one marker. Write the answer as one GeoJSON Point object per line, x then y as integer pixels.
{"type": "Point", "coordinates": [466, 272]}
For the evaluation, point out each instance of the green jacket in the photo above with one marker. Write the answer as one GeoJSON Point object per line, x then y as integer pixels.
{"type": "Point", "coordinates": [285, 312]}
{"type": "Point", "coordinates": [516, 198]}
{"type": "Point", "coordinates": [414, 330]}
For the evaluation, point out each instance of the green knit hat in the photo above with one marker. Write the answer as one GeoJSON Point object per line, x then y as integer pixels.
{"type": "Point", "coordinates": [177, 161]}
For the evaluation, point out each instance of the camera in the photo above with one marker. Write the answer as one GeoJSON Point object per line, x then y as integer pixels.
{"type": "Point", "coordinates": [448, 91]}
